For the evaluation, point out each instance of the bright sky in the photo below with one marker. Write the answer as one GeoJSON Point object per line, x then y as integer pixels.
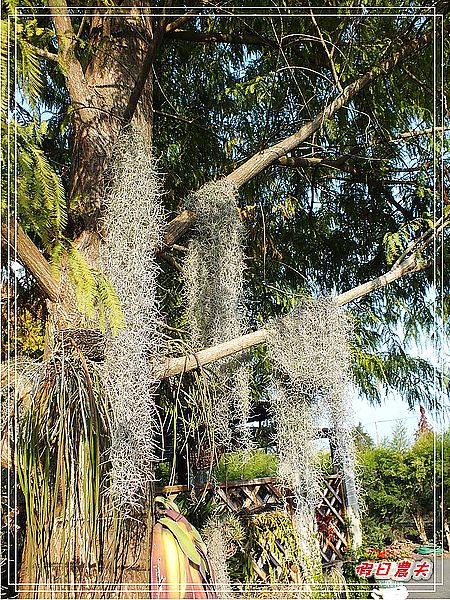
{"type": "Point", "coordinates": [380, 421]}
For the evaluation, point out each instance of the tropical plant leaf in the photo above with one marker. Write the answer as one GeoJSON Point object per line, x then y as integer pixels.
{"type": "Point", "coordinates": [184, 540]}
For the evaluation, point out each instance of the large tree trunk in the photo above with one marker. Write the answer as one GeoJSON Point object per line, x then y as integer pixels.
{"type": "Point", "coordinates": [100, 95]}
{"type": "Point", "coordinates": [110, 76]}
{"type": "Point", "coordinates": [420, 524]}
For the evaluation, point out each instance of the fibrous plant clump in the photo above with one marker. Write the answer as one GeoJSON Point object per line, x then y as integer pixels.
{"type": "Point", "coordinates": [17, 378]}
{"type": "Point", "coordinates": [214, 266]}
{"type": "Point", "coordinates": [134, 228]}
{"type": "Point", "coordinates": [62, 441]}
{"type": "Point", "coordinates": [222, 535]}
{"type": "Point", "coordinates": [214, 291]}
{"type": "Point", "coordinates": [309, 350]}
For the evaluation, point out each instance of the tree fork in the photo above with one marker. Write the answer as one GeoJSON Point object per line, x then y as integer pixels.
{"type": "Point", "coordinates": [260, 161]}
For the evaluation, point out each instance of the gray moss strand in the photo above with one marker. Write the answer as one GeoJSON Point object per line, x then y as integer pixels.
{"type": "Point", "coordinates": [134, 230]}
{"type": "Point", "coordinates": [214, 292]}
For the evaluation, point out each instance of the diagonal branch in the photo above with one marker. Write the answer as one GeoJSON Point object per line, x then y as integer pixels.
{"type": "Point", "coordinates": [179, 21]}
{"type": "Point", "coordinates": [44, 53]}
{"type": "Point", "coordinates": [178, 227]}
{"type": "Point", "coordinates": [329, 56]}
{"type": "Point", "coordinates": [175, 366]}
{"type": "Point", "coordinates": [260, 161]}
{"type": "Point", "coordinates": [149, 59]}
{"type": "Point", "coordinates": [76, 82]}
{"type": "Point", "coordinates": [32, 259]}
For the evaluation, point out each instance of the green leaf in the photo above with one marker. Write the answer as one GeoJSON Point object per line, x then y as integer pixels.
{"type": "Point", "coordinates": [185, 542]}
{"type": "Point", "coordinates": [167, 503]}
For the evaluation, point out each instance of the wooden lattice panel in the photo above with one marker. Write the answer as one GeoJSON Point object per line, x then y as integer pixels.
{"type": "Point", "coordinates": [246, 497]}
{"type": "Point", "coordinates": [332, 508]}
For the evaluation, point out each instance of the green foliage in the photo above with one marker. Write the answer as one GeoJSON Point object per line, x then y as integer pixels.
{"type": "Point", "coordinates": [41, 204]}
{"type": "Point", "coordinates": [380, 360]}
{"type": "Point", "coordinates": [397, 242]}
{"type": "Point", "coordinates": [314, 230]}
{"type": "Point", "coordinates": [94, 292]}
{"type": "Point", "coordinates": [235, 466]}
{"type": "Point", "coordinates": [263, 533]}
{"type": "Point", "coordinates": [401, 481]}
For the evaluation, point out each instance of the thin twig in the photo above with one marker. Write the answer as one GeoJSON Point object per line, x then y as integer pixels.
{"type": "Point", "coordinates": [330, 58]}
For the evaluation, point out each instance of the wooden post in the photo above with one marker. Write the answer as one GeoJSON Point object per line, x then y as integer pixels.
{"type": "Point", "coordinates": [350, 495]}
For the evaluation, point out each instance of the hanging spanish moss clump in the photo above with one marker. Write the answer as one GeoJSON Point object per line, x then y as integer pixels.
{"type": "Point", "coordinates": [309, 350]}
{"type": "Point", "coordinates": [214, 290]}
{"type": "Point", "coordinates": [134, 228]}
{"type": "Point", "coordinates": [222, 534]}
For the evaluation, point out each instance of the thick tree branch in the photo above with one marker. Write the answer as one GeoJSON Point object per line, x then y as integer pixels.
{"type": "Point", "coordinates": [175, 366]}
{"type": "Point", "coordinates": [32, 259]}
{"type": "Point", "coordinates": [260, 161]}
{"type": "Point", "coordinates": [179, 226]}
{"type": "Point", "coordinates": [179, 21]}
{"type": "Point", "coordinates": [44, 53]}
{"type": "Point", "coordinates": [158, 33]}
{"type": "Point", "coordinates": [77, 86]}
{"type": "Point", "coordinates": [257, 163]}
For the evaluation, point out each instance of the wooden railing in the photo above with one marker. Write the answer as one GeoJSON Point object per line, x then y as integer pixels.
{"type": "Point", "coordinates": [266, 493]}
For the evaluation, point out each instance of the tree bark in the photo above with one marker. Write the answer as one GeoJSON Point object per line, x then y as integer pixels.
{"type": "Point", "coordinates": [111, 79]}
{"type": "Point", "coordinates": [418, 520]}
{"type": "Point", "coordinates": [32, 259]}
{"type": "Point", "coordinates": [100, 95]}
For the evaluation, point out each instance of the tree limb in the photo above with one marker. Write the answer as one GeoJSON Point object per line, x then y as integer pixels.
{"type": "Point", "coordinates": [77, 86]}
{"type": "Point", "coordinates": [260, 161]}
{"type": "Point", "coordinates": [176, 23]}
{"type": "Point", "coordinates": [179, 226]}
{"type": "Point", "coordinates": [329, 55]}
{"type": "Point", "coordinates": [412, 134]}
{"type": "Point", "coordinates": [44, 53]}
{"type": "Point", "coordinates": [175, 366]}
{"type": "Point", "coordinates": [149, 59]}
{"type": "Point", "coordinates": [63, 24]}
{"type": "Point", "coordinates": [32, 259]}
